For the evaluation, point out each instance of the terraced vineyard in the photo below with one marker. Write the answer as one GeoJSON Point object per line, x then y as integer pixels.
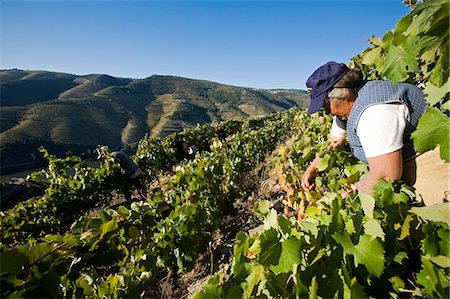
{"type": "Point", "coordinates": [78, 240]}
{"type": "Point", "coordinates": [165, 232]}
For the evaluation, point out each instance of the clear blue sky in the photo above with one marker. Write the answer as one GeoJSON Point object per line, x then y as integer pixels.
{"type": "Point", "coordinates": [261, 44]}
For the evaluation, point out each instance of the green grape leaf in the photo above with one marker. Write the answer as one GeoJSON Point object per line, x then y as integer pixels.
{"type": "Point", "coordinates": [103, 290]}
{"type": "Point", "coordinates": [290, 255]}
{"type": "Point", "coordinates": [432, 278]}
{"type": "Point", "coordinates": [397, 283]}
{"type": "Point", "coordinates": [404, 23]}
{"type": "Point", "coordinates": [444, 243]}
{"type": "Point", "coordinates": [12, 261]}
{"type": "Point", "coordinates": [323, 163]}
{"type": "Point", "coordinates": [370, 253]}
{"type": "Point", "coordinates": [285, 226]}
{"type": "Point", "coordinates": [322, 252]}
{"type": "Point", "coordinates": [313, 288]}
{"type": "Point", "coordinates": [108, 227]}
{"type": "Point", "coordinates": [434, 94]}
{"type": "Point", "coordinates": [367, 203]}
{"type": "Point", "coordinates": [399, 257]}
{"type": "Point", "coordinates": [440, 212]}
{"type": "Point", "coordinates": [270, 248]}
{"type": "Point", "coordinates": [309, 226]}
{"type": "Point", "coordinates": [372, 56]}
{"type": "Point", "coordinates": [38, 251]}
{"type": "Point", "coordinates": [262, 207]}
{"type": "Point", "coordinates": [71, 240]}
{"type": "Point", "coordinates": [405, 227]}
{"type": "Point", "coordinates": [133, 232]}
{"type": "Point", "coordinates": [350, 226]}
{"type": "Point", "coordinates": [423, 20]}
{"type": "Point", "coordinates": [429, 53]}
{"type": "Point", "coordinates": [441, 260]}
{"type": "Point", "coordinates": [241, 246]}
{"type": "Point", "coordinates": [433, 129]}
{"type": "Point", "coordinates": [429, 244]}
{"type": "Point", "coordinates": [400, 197]}
{"type": "Point", "coordinates": [53, 238]}
{"type": "Point", "coordinates": [123, 211]}
{"type": "Point", "coordinates": [357, 290]}
{"type": "Point", "coordinates": [399, 63]}
{"type": "Point", "coordinates": [233, 292]}
{"type": "Point", "coordinates": [344, 240]}
{"type": "Point", "coordinates": [271, 220]}
{"type": "Point", "coordinates": [209, 291]}
{"type": "Point", "coordinates": [253, 279]}
{"type": "Point", "coordinates": [439, 74]}
{"type": "Point", "coordinates": [254, 250]}
{"type": "Point", "coordinates": [85, 282]}
{"type": "Point", "coordinates": [446, 105]}
{"type": "Point", "coordinates": [387, 38]}
{"type": "Point", "coordinates": [376, 41]}
{"type": "Point", "coordinates": [373, 228]}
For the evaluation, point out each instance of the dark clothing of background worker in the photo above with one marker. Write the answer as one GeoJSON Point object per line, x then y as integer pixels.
{"type": "Point", "coordinates": [131, 171]}
{"type": "Point", "coordinates": [378, 118]}
{"type": "Point", "coordinates": [186, 149]}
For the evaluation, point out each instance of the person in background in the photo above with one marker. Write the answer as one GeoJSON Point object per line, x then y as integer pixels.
{"type": "Point", "coordinates": [131, 172]}
{"type": "Point", "coordinates": [186, 149]}
{"type": "Point", "coordinates": [378, 118]}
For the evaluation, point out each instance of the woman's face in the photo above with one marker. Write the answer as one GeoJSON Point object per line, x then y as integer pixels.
{"type": "Point", "coordinates": [341, 108]}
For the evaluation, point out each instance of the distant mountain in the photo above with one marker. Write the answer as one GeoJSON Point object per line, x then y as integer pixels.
{"type": "Point", "coordinates": [66, 112]}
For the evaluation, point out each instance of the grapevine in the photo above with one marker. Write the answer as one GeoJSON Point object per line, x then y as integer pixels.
{"type": "Point", "coordinates": [379, 246]}
{"type": "Point", "coordinates": [121, 251]}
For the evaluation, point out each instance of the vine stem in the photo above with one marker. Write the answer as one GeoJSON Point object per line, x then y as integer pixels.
{"type": "Point", "coordinates": [48, 253]}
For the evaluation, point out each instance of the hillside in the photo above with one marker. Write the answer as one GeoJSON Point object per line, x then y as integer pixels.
{"type": "Point", "coordinates": [65, 112]}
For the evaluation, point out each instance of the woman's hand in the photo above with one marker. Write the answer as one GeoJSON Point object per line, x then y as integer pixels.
{"type": "Point", "coordinates": [309, 176]}
{"type": "Point", "coordinates": [308, 179]}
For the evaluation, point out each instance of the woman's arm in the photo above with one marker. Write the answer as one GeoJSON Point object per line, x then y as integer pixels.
{"type": "Point", "coordinates": [388, 166]}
